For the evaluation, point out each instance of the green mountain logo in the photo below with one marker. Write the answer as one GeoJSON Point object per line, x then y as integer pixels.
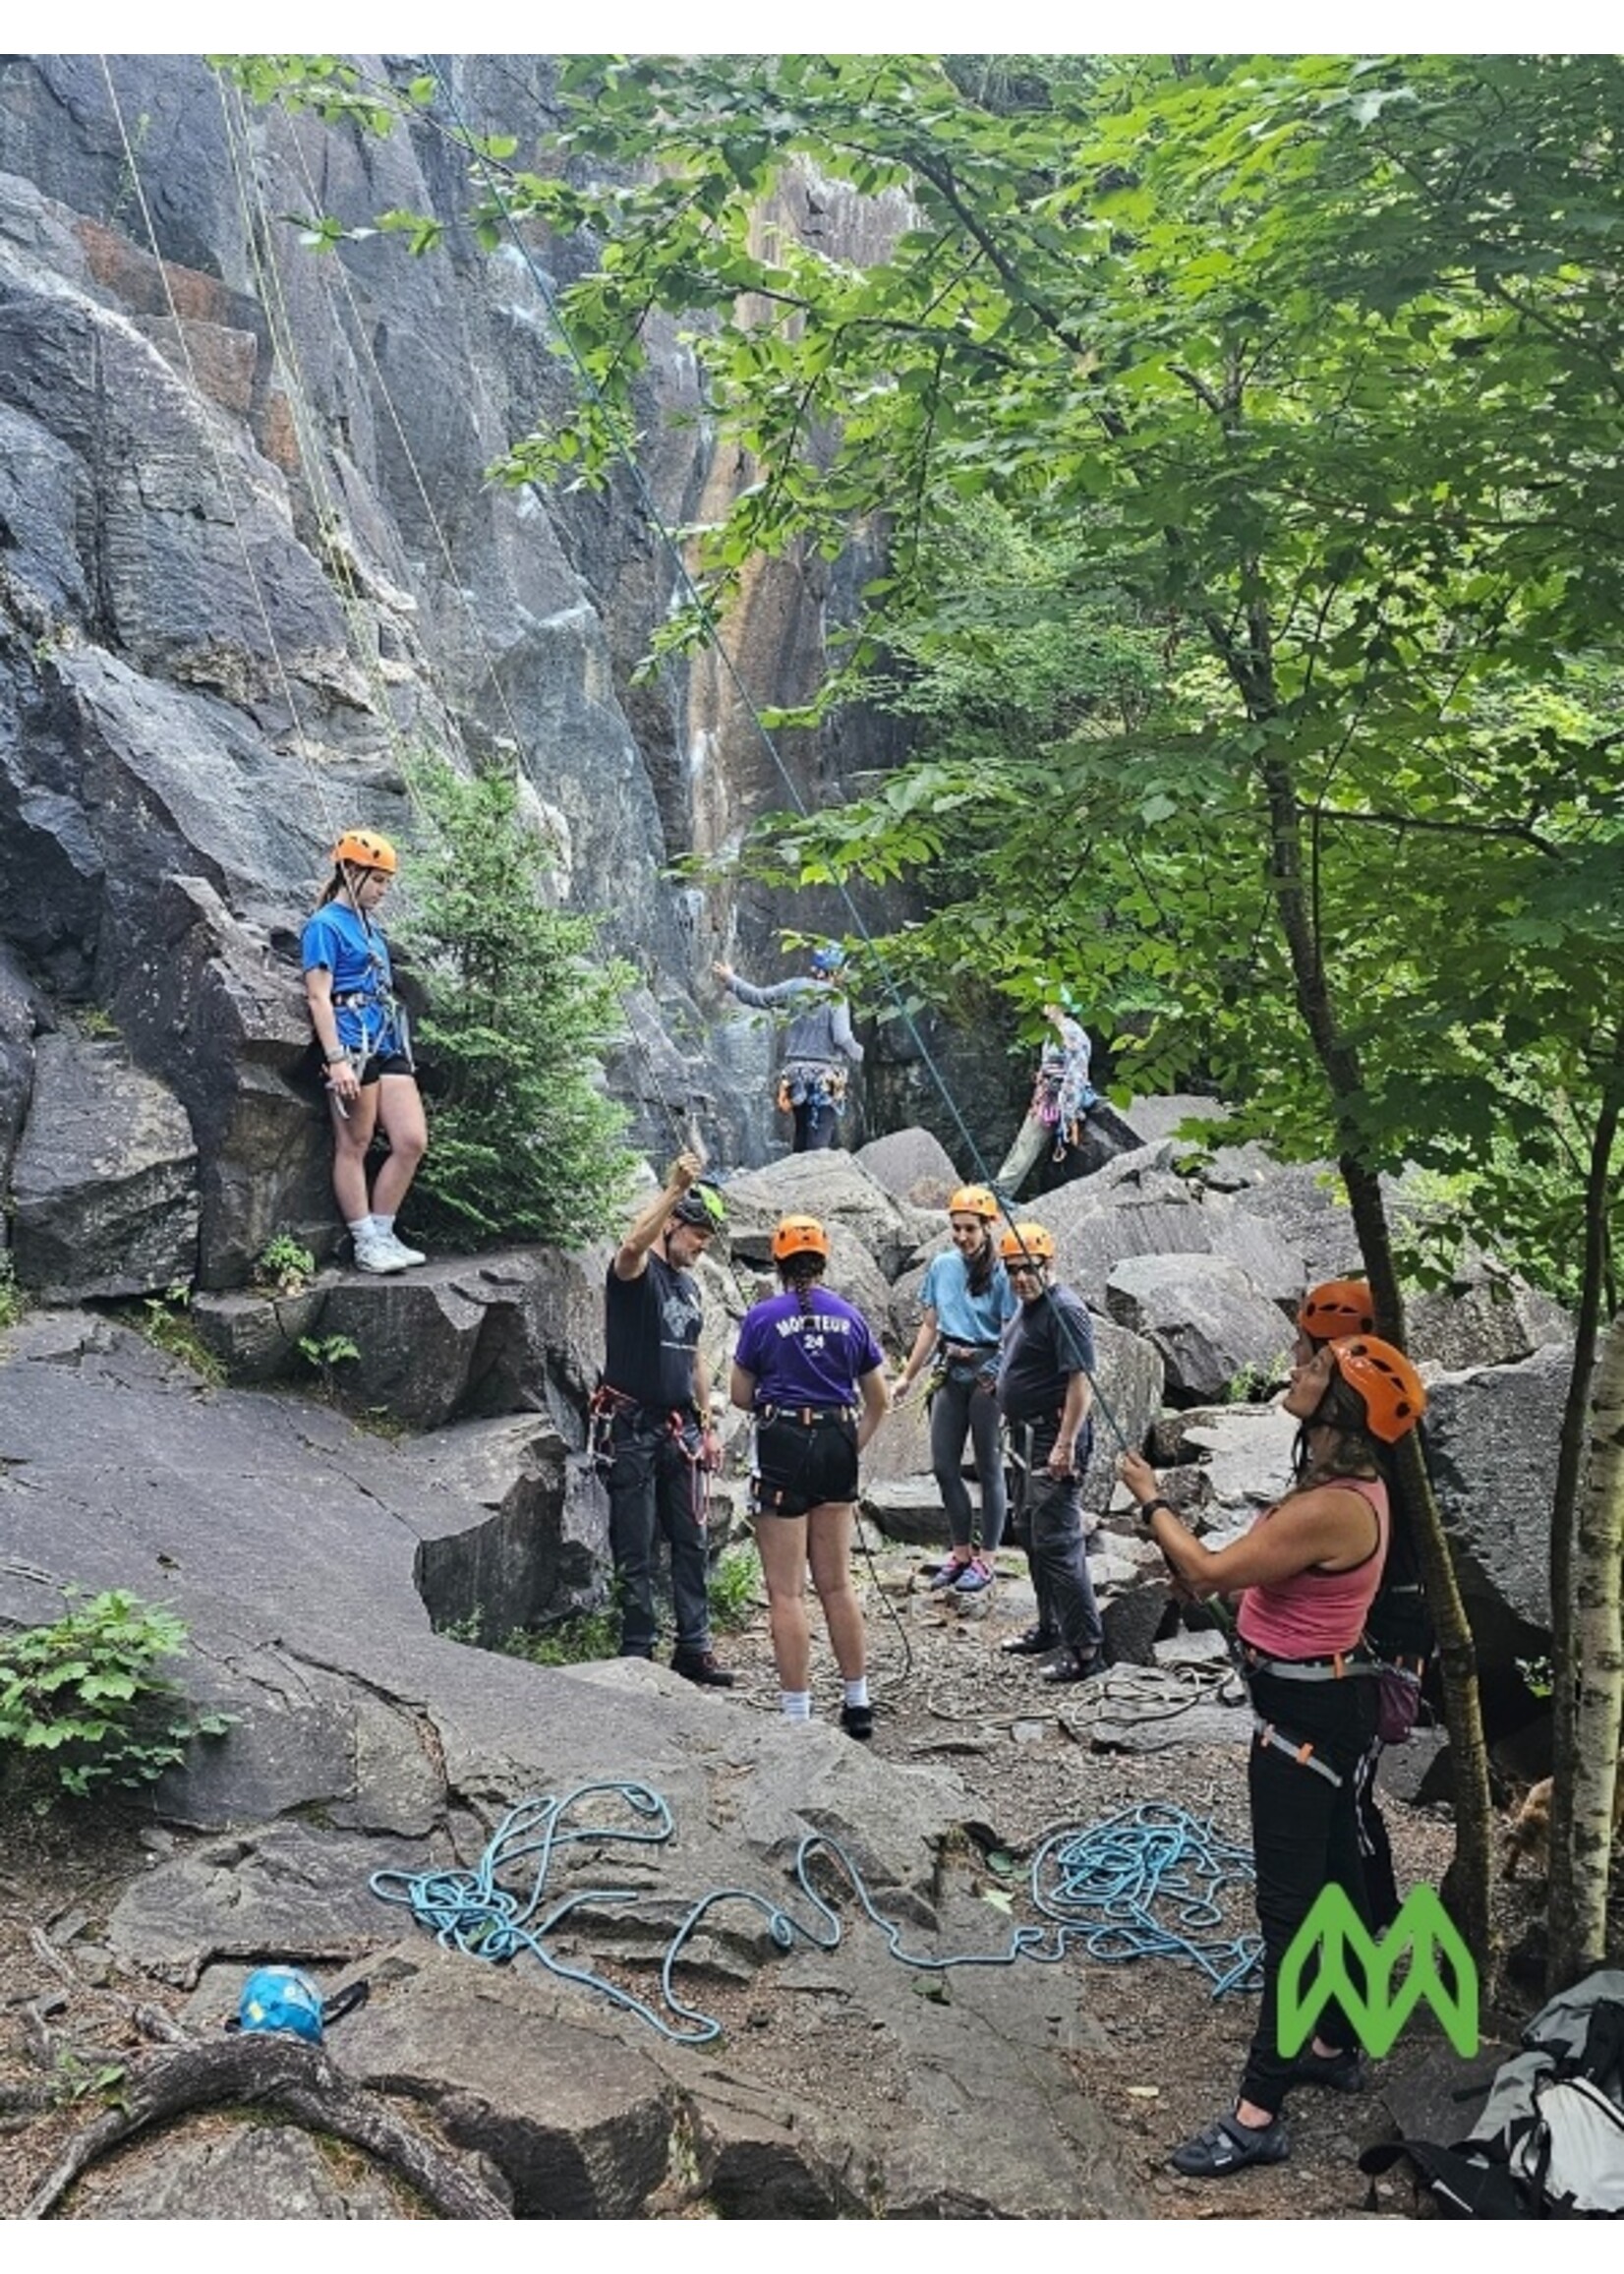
{"type": "Point", "coordinates": [1333, 1932]}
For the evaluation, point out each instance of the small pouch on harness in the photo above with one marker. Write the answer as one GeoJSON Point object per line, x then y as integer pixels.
{"type": "Point", "coordinates": [1398, 1702]}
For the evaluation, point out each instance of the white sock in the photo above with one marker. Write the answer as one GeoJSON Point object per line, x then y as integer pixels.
{"type": "Point", "coordinates": [386, 1224]}
{"type": "Point", "coordinates": [798, 1705]}
{"type": "Point", "coordinates": [856, 1693]}
{"type": "Point", "coordinates": [362, 1228]}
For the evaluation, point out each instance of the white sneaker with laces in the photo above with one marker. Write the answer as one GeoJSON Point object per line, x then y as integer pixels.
{"type": "Point", "coordinates": [378, 1254]}
{"type": "Point", "coordinates": [399, 1246]}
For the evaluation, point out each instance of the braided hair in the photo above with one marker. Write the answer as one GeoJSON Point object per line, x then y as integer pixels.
{"type": "Point", "coordinates": [800, 1274]}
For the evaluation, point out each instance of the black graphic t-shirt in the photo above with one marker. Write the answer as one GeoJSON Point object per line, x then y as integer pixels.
{"type": "Point", "coordinates": [1039, 1356]}
{"type": "Point", "coordinates": [651, 1331]}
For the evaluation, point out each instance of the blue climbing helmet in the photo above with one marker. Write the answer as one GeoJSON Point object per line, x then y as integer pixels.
{"type": "Point", "coordinates": [281, 1999]}
{"type": "Point", "coordinates": [828, 957]}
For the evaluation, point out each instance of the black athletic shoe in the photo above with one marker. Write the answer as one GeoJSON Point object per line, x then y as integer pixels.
{"type": "Point", "coordinates": [857, 1722]}
{"type": "Point", "coordinates": [1035, 1643]}
{"type": "Point", "coordinates": [1229, 2145]}
{"type": "Point", "coordinates": [703, 1667]}
{"type": "Point", "coordinates": [1069, 1667]}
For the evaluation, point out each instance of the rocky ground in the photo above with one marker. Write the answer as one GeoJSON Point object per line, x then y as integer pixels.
{"type": "Point", "coordinates": [1158, 2062]}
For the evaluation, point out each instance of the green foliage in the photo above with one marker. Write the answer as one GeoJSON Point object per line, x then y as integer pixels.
{"type": "Point", "coordinates": [1255, 1385]}
{"type": "Point", "coordinates": [524, 1145]}
{"type": "Point", "coordinates": [12, 1302]}
{"type": "Point", "coordinates": [284, 1265]}
{"type": "Point", "coordinates": [82, 1702]}
{"type": "Point", "coordinates": [327, 1354]}
{"type": "Point", "coordinates": [1538, 1677]}
{"type": "Point", "coordinates": [735, 1588]}
{"type": "Point", "coordinates": [165, 1319]}
{"type": "Point", "coordinates": [569, 1642]}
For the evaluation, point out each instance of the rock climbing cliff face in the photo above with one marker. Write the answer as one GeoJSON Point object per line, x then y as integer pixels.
{"type": "Point", "coordinates": [249, 561]}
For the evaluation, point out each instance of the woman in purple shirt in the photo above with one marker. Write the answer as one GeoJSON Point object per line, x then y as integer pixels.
{"type": "Point", "coordinates": [808, 1368]}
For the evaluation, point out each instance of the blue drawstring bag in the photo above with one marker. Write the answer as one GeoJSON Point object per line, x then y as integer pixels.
{"type": "Point", "coordinates": [281, 1999]}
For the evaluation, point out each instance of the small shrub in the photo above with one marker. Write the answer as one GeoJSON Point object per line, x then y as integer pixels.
{"type": "Point", "coordinates": [735, 1589]}
{"type": "Point", "coordinates": [326, 1355]}
{"type": "Point", "coordinates": [569, 1642]}
{"type": "Point", "coordinates": [165, 1319]}
{"type": "Point", "coordinates": [284, 1265]}
{"type": "Point", "coordinates": [1254, 1385]}
{"type": "Point", "coordinates": [11, 1304]}
{"type": "Point", "coordinates": [83, 1699]}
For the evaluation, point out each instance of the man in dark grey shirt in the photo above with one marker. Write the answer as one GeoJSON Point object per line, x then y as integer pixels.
{"type": "Point", "coordinates": [1044, 1392]}
{"type": "Point", "coordinates": [818, 1042]}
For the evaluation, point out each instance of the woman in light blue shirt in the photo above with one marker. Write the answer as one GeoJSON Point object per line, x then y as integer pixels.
{"type": "Point", "coordinates": [967, 1302]}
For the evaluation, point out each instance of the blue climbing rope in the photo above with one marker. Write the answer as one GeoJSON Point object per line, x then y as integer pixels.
{"type": "Point", "coordinates": [1100, 1889]}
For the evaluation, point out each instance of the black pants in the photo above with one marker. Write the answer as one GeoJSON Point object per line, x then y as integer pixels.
{"type": "Point", "coordinates": [1047, 1523]}
{"type": "Point", "coordinates": [1304, 1836]}
{"type": "Point", "coordinates": [815, 1127]}
{"type": "Point", "coordinates": [654, 1488]}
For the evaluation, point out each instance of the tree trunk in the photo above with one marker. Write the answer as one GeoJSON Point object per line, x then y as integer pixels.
{"type": "Point", "coordinates": [1469, 1883]}
{"type": "Point", "coordinates": [1580, 1865]}
{"type": "Point", "coordinates": [1568, 1669]}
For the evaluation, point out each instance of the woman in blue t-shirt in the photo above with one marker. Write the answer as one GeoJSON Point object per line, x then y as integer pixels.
{"type": "Point", "coordinates": [807, 1365]}
{"type": "Point", "coordinates": [349, 989]}
{"type": "Point", "coordinates": [967, 1302]}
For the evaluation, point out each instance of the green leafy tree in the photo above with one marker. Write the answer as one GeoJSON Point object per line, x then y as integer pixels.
{"type": "Point", "coordinates": [524, 1144]}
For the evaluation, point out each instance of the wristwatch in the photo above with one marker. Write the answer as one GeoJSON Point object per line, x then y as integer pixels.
{"type": "Point", "coordinates": [1148, 1508]}
{"type": "Point", "coordinates": [331, 1057]}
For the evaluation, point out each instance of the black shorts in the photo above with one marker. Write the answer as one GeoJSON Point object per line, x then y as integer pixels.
{"type": "Point", "coordinates": [803, 1461]}
{"type": "Point", "coordinates": [386, 1062]}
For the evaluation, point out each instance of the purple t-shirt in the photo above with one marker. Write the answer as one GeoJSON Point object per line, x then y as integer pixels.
{"type": "Point", "coordinates": [811, 1360]}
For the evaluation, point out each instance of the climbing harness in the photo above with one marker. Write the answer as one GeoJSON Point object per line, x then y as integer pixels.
{"type": "Point", "coordinates": [1144, 1883]}
{"type": "Point", "coordinates": [687, 1429]}
{"type": "Point", "coordinates": [809, 1083]}
{"type": "Point", "coordinates": [1301, 1752]}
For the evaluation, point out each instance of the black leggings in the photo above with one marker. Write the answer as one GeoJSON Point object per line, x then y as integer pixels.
{"type": "Point", "coordinates": [1305, 1834]}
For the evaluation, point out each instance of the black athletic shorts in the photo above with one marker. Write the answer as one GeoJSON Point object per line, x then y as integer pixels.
{"type": "Point", "coordinates": [801, 1462]}
{"type": "Point", "coordinates": [386, 1062]}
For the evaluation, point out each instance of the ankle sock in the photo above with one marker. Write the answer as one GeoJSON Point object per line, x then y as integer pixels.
{"type": "Point", "coordinates": [386, 1224]}
{"type": "Point", "coordinates": [798, 1705]}
{"type": "Point", "coordinates": [856, 1693]}
{"type": "Point", "coordinates": [362, 1228]}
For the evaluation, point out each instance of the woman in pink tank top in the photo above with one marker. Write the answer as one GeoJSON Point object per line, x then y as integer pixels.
{"type": "Point", "coordinates": [1306, 1572]}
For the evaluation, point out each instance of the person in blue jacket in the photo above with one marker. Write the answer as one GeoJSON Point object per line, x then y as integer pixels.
{"type": "Point", "coordinates": [366, 1049]}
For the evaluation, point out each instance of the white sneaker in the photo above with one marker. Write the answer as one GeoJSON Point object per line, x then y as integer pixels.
{"type": "Point", "coordinates": [399, 1248]}
{"type": "Point", "coordinates": [379, 1255]}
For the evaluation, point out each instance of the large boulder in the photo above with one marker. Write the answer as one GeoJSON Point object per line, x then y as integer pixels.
{"type": "Point", "coordinates": [832, 1187]}
{"type": "Point", "coordinates": [1174, 1218]}
{"type": "Point", "coordinates": [104, 1183]}
{"type": "Point", "coordinates": [525, 1530]}
{"type": "Point", "coordinates": [22, 1018]}
{"type": "Point", "coordinates": [1492, 1444]}
{"type": "Point", "coordinates": [1205, 1316]}
{"type": "Point", "coordinates": [912, 1165]}
{"type": "Point", "coordinates": [1483, 1318]}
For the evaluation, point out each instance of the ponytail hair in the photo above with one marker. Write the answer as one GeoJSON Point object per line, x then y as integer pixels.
{"type": "Point", "coordinates": [801, 1274]}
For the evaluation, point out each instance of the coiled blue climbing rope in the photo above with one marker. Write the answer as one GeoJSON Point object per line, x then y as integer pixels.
{"type": "Point", "coordinates": [1144, 1883]}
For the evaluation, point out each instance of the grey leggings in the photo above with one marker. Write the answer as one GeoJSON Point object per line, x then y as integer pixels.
{"type": "Point", "coordinates": [961, 1407]}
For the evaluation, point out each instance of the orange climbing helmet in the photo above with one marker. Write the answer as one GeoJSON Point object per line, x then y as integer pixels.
{"type": "Point", "coordinates": [1390, 1387]}
{"type": "Point", "coordinates": [800, 1236]}
{"type": "Point", "coordinates": [1337, 1307]}
{"type": "Point", "coordinates": [365, 848]}
{"type": "Point", "coordinates": [1028, 1244]}
{"type": "Point", "coordinates": [973, 1200]}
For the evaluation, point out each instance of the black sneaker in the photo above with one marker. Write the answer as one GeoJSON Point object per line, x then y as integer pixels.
{"type": "Point", "coordinates": [857, 1722]}
{"type": "Point", "coordinates": [1070, 1667]}
{"type": "Point", "coordinates": [1035, 1643]}
{"type": "Point", "coordinates": [703, 1667]}
{"type": "Point", "coordinates": [1342, 2072]}
{"type": "Point", "coordinates": [1229, 2145]}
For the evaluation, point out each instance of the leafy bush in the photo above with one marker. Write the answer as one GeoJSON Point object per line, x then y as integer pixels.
{"type": "Point", "coordinates": [326, 1356]}
{"type": "Point", "coordinates": [11, 1295]}
{"type": "Point", "coordinates": [522, 1144]}
{"type": "Point", "coordinates": [284, 1265]}
{"type": "Point", "coordinates": [165, 1319]}
{"type": "Point", "coordinates": [86, 1693]}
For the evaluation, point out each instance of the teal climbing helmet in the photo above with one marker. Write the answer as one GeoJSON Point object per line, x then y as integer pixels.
{"type": "Point", "coordinates": [279, 2000]}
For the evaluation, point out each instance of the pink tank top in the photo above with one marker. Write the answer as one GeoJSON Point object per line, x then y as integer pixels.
{"type": "Point", "coordinates": [1318, 1613]}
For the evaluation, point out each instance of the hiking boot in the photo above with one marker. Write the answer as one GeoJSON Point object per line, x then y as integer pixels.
{"type": "Point", "coordinates": [703, 1667]}
{"type": "Point", "coordinates": [408, 1255]}
{"type": "Point", "coordinates": [1072, 1667]}
{"type": "Point", "coordinates": [379, 1255]}
{"type": "Point", "coordinates": [949, 1574]}
{"type": "Point", "coordinates": [976, 1575]}
{"type": "Point", "coordinates": [1340, 2072]}
{"type": "Point", "coordinates": [1036, 1643]}
{"type": "Point", "coordinates": [857, 1722]}
{"type": "Point", "coordinates": [1229, 2145]}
